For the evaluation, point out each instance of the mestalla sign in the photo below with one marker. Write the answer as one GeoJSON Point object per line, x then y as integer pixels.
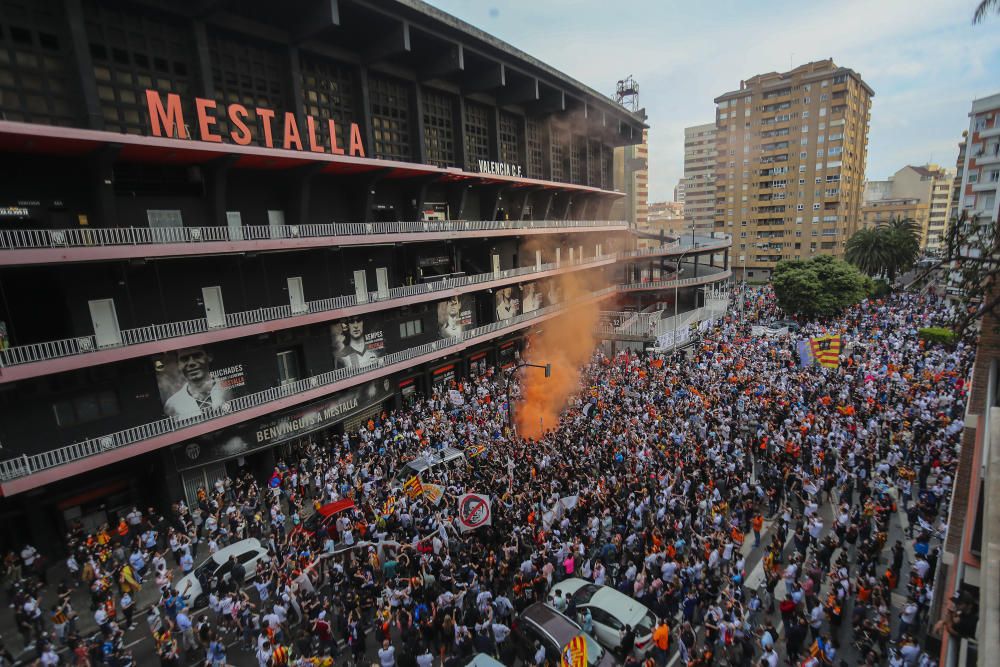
{"type": "Point", "coordinates": [166, 119]}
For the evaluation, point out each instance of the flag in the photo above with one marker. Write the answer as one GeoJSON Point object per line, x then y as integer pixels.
{"type": "Point", "coordinates": [806, 357]}
{"type": "Point", "coordinates": [413, 488]}
{"type": "Point", "coordinates": [575, 653]}
{"type": "Point", "coordinates": [389, 506]}
{"type": "Point", "coordinates": [826, 350]}
{"type": "Point", "coordinates": [472, 451]}
{"type": "Point", "coordinates": [433, 492]}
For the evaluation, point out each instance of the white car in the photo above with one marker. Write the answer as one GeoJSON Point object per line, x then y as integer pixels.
{"type": "Point", "coordinates": [611, 611]}
{"type": "Point", "coordinates": [193, 586]}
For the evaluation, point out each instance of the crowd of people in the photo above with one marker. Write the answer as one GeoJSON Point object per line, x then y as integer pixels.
{"type": "Point", "coordinates": [683, 469]}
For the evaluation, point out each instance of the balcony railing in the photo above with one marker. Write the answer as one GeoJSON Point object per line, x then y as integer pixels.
{"type": "Point", "coordinates": [705, 277]}
{"type": "Point", "coordinates": [31, 464]}
{"type": "Point", "coordinates": [35, 352]}
{"type": "Point", "coordinates": [131, 236]}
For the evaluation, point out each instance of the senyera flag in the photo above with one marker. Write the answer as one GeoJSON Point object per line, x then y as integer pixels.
{"type": "Point", "coordinates": [413, 488]}
{"type": "Point", "coordinates": [575, 653]}
{"type": "Point", "coordinates": [826, 350]}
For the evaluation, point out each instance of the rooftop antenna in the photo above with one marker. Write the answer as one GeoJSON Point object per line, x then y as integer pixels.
{"type": "Point", "coordinates": [627, 93]}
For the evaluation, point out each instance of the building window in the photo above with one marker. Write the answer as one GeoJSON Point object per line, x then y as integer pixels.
{"type": "Point", "coordinates": [816, 208]}
{"type": "Point", "coordinates": [132, 52]}
{"type": "Point", "coordinates": [477, 135]}
{"type": "Point", "coordinates": [536, 156]}
{"type": "Point", "coordinates": [560, 155]}
{"type": "Point", "coordinates": [329, 90]}
{"type": "Point", "coordinates": [37, 80]}
{"type": "Point", "coordinates": [288, 366]}
{"type": "Point", "coordinates": [390, 112]}
{"type": "Point", "coordinates": [85, 408]}
{"type": "Point", "coordinates": [439, 132]}
{"type": "Point", "coordinates": [252, 75]}
{"type": "Point", "coordinates": [411, 328]}
{"type": "Point", "coordinates": [578, 160]}
{"type": "Point", "coordinates": [511, 138]}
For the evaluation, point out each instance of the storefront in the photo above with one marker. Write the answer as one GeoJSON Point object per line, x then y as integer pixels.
{"type": "Point", "coordinates": [442, 377]}
{"type": "Point", "coordinates": [509, 353]}
{"type": "Point", "coordinates": [479, 362]}
{"type": "Point", "coordinates": [410, 390]}
{"type": "Point", "coordinates": [256, 445]}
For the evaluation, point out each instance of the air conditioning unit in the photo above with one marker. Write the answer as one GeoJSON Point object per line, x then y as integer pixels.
{"type": "Point", "coordinates": [107, 442]}
{"type": "Point", "coordinates": [85, 344]}
{"type": "Point", "coordinates": [294, 231]}
{"type": "Point", "coordinates": [195, 234]}
{"type": "Point", "coordinates": [58, 238]}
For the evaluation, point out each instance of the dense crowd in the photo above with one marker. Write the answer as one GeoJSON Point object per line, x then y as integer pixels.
{"type": "Point", "coordinates": [673, 463]}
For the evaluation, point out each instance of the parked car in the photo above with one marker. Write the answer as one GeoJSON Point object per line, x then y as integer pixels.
{"type": "Point", "coordinates": [791, 325]}
{"type": "Point", "coordinates": [446, 458]}
{"type": "Point", "coordinates": [540, 622]}
{"type": "Point", "coordinates": [194, 586]}
{"type": "Point", "coordinates": [324, 520]}
{"type": "Point", "coordinates": [611, 610]}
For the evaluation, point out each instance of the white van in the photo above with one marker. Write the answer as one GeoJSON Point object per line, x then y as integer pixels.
{"type": "Point", "coordinates": [449, 457]}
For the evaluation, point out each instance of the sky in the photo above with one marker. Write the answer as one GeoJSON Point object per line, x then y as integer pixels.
{"type": "Point", "coordinates": [924, 59]}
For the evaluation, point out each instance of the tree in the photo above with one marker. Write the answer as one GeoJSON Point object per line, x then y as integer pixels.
{"type": "Point", "coordinates": [820, 287]}
{"type": "Point", "coordinates": [984, 8]}
{"type": "Point", "coordinates": [885, 250]}
{"type": "Point", "coordinates": [968, 264]}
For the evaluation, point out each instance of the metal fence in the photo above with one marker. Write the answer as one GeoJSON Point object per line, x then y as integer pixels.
{"type": "Point", "coordinates": [124, 236]}
{"type": "Point", "coordinates": [26, 354]}
{"type": "Point", "coordinates": [30, 464]}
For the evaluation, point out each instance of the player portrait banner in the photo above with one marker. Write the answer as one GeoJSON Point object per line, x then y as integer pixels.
{"type": "Point", "coordinates": [531, 297]}
{"type": "Point", "coordinates": [197, 380]}
{"type": "Point", "coordinates": [455, 315]}
{"type": "Point", "coordinates": [474, 511]}
{"type": "Point", "coordinates": [507, 302]}
{"type": "Point", "coordinates": [357, 342]}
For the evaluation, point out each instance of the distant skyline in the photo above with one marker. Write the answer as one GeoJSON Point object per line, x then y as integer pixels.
{"type": "Point", "coordinates": [924, 59]}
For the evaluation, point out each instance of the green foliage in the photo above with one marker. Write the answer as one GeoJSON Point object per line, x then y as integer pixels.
{"type": "Point", "coordinates": [820, 287]}
{"type": "Point", "coordinates": [880, 288]}
{"type": "Point", "coordinates": [938, 335]}
{"type": "Point", "coordinates": [885, 250]}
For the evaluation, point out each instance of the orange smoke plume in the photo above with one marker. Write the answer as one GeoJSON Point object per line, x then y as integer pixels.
{"type": "Point", "coordinates": [567, 342]}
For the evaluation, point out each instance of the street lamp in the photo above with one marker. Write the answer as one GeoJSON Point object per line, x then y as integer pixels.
{"type": "Point", "coordinates": [677, 284]}
{"type": "Point", "coordinates": [510, 374]}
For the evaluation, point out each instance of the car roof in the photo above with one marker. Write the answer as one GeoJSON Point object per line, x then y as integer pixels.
{"type": "Point", "coordinates": [554, 624]}
{"type": "Point", "coordinates": [422, 463]}
{"type": "Point", "coordinates": [223, 554]}
{"type": "Point", "coordinates": [336, 507]}
{"type": "Point", "coordinates": [611, 600]}
{"type": "Point", "coordinates": [483, 660]}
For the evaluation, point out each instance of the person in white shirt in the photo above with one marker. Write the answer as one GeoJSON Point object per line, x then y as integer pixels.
{"type": "Point", "coordinates": [387, 654]}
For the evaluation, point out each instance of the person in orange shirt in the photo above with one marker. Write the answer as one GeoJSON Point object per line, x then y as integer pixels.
{"type": "Point", "coordinates": [661, 643]}
{"type": "Point", "coordinates": [757, 523]}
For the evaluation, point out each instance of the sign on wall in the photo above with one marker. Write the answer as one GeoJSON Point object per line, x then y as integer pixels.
{"type": "Point", "coordinates": [455, 315]}
{"type": "Point", "coordinates": [507, 303]}
{"type": "Point", "coordinates": [192, 381]}
{"type": "Point", "coordinates": [357, 342]}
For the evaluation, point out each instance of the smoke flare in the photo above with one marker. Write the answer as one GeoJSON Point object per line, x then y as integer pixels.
{"type": "Point", "coordinates": [567, 342]}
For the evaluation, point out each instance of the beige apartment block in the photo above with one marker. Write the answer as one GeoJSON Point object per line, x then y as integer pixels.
{"type": "Point", "coordinates": [699, 177]}
{"type": "Point", "coordinates": [790, 163]}
{"type": "Point", "coordinates": [928, 185]}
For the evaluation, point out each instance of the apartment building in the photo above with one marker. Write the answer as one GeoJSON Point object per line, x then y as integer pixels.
{"type": "Point", "coordinates": [699, 177]}
{"type": "Point", "coordinates": [790, 163]}
{"type": "Point", "coordinates": [679, 191]}
{"type": "Point", "coordinates": [631, 176]}
{"type": "Point", "coordinates": [970, 553]}
{"type": "Point", "coordinates": [921, 193]}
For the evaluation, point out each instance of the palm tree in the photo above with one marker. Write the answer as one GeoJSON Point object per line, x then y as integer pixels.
{"type": "Point", "coordinates": [867, 251]}
{"type": "Point", "coordinates": [984, 8]}
{"type": "Point", "coordinates": [903, 239]}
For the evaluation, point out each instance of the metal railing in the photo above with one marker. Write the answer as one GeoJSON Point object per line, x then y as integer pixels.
{"type": "Point", "coordinates": [708, 276]}
{"type": "Point", "coordinates": [131, 236]}
{"type": "Point", "coordinates": [652, 325]}
{"type": "Point", "coordinates": [30, 464]}
{"type": "Point", "coordinates": [35, 352]}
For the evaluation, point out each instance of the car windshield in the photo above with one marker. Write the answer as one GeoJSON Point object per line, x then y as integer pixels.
{"type": "Point", "coordinates": [312, 523]}
{"type": "Point", "coordinates": [585, 592]}
{"type": "Point", "coordinates": [594, 650]}
{"type": "Point", "coordinates": [645, 626]}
